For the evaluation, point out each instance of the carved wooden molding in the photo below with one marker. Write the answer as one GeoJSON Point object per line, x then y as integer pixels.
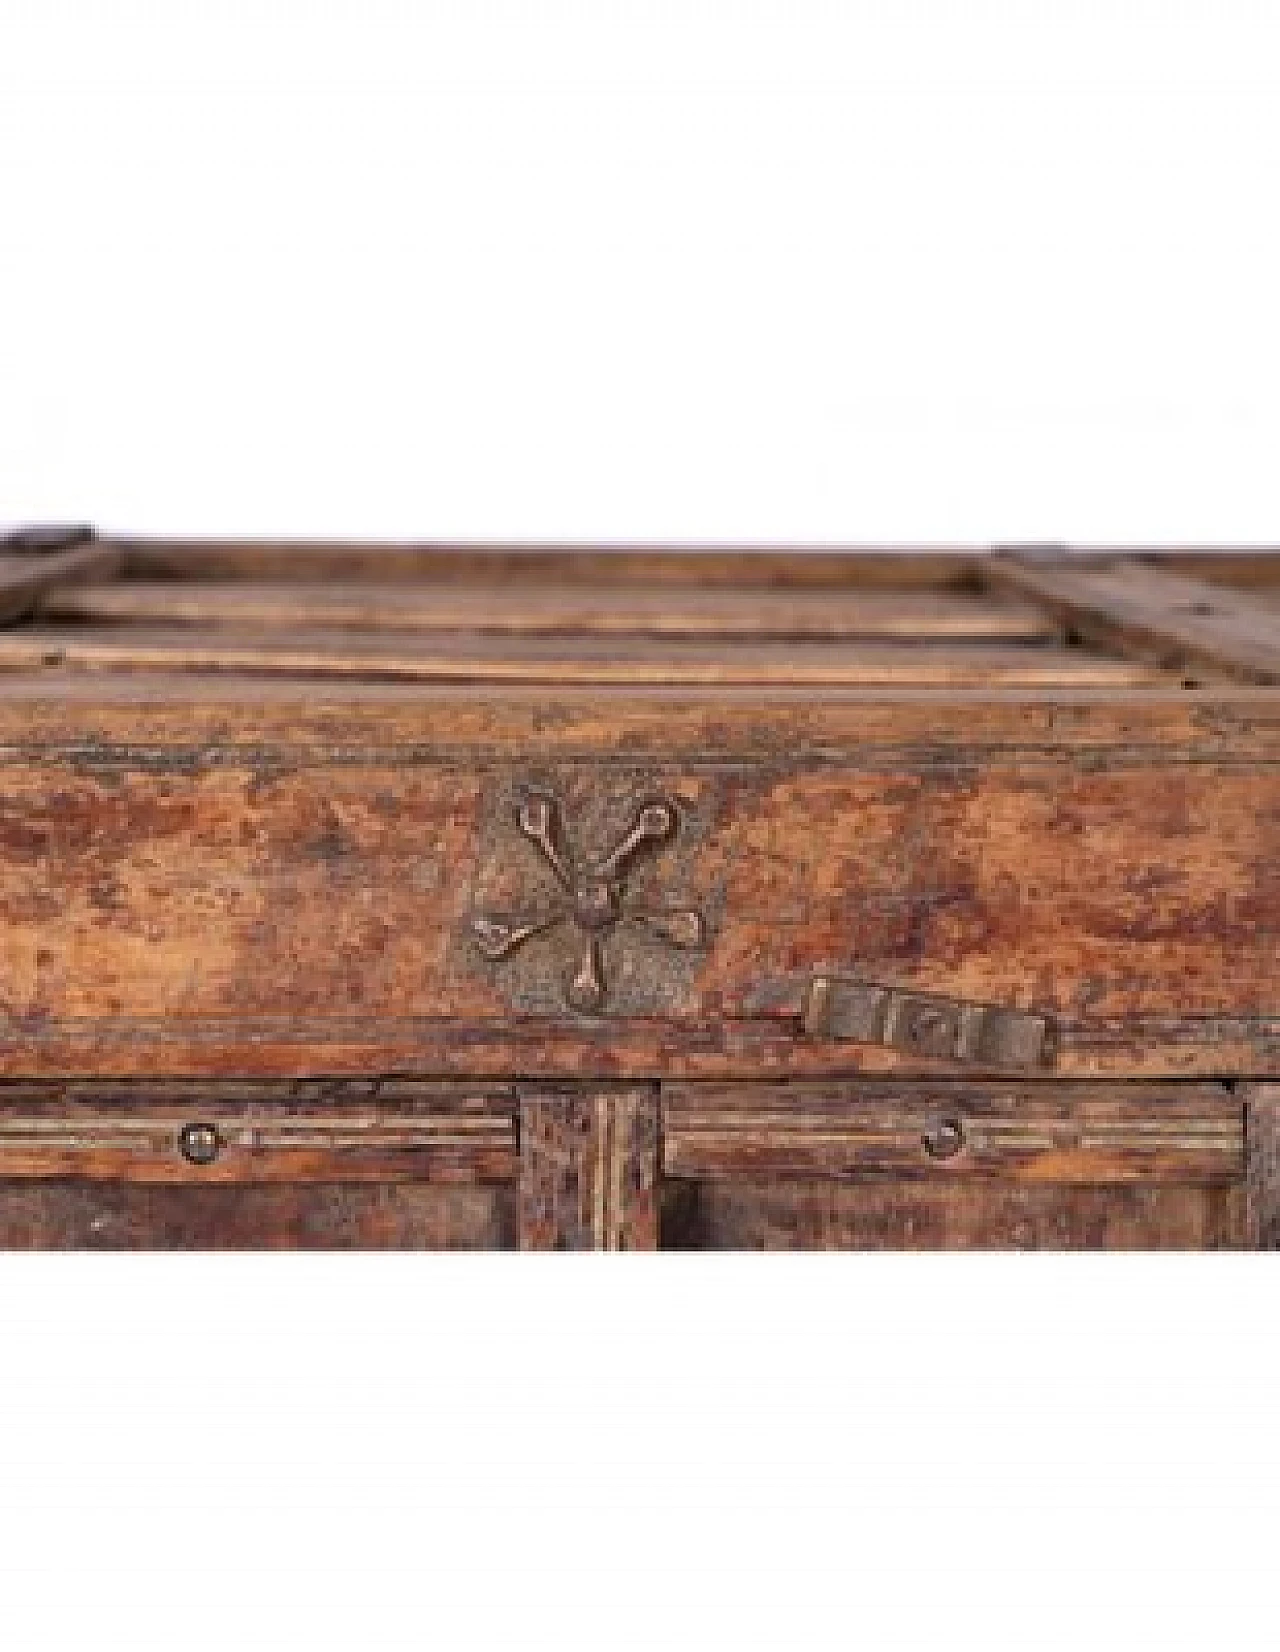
{"type": "Point", "coordinates": [176, 1133]}
{"type": "Point", "coordinates": [1082, 1134]}
{"type": "Point", "coordinates": [589, 1170]}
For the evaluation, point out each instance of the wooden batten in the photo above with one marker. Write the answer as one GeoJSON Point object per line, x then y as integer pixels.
{"type": "Point", "coordinates": [26, 577]}
{"type": "Point", "coordinates": [1174, 621]}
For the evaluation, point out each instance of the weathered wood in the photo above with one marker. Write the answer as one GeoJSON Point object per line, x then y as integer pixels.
{"type": "Point", "coordinates": [531, 609]}
{"type": "Point", "coordinates": [1044, 1132]}
{"type": "Point", "coordinates": [623, 660]}
{"type": "Point", "coordinates": [607, 821]}
{"type": "Point", "coordinates": [88, 1215]}
{"type": "Point", "coordinates": [262, 888]}
{"type": "Point", "coordinates": [391, 1132]}
{"type": "Point", "coordinates": [706, 566]}
{"type": "Point", "coordinates": [954, 1215]}
{"type": "Point", "coordinates": [1262, 1129]}
{"type": "Point", "coordinates": [588, 1169]}
{"type": "Point", "coordinates": [1168, 619]}
{"type": "Point", "coordinates": [1246, 570]}
{"type": "Point", "coordinates": [26, 577]}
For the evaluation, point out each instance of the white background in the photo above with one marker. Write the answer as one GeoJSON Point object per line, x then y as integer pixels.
{"type": "Point", "coordinates": [901, 272]}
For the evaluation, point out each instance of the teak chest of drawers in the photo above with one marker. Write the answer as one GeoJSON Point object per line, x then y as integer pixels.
{"type": "Point", "coordinates": [421, 896]}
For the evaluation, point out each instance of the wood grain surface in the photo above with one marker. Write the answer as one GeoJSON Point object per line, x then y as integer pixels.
{"type": "Point", "coordinates": [95, 1215]}
{"type": "Point", "coordinates": [266, 887]}
{"type": "Point", "coordinates": [952, 1215]}
{"type": "Point", "coordinates": [1262, 1114]}
{"type": "Point", "coordinates": [1066, 1133]}
{"type": "Point", "coordinates": [526, 608]}
{"type": "Point", "coordinates": [588, 1169]}
{"type": "Point", "coordinates": [443, 896]}
{"type": "Point", "coordinates": [388, 1131]}
{"type": "Point", "coordinates": [1176, 622]}
{"type": "Point", "coordinates": [629, 661]}
{"type": "Point", "coordinates": [495, 564]}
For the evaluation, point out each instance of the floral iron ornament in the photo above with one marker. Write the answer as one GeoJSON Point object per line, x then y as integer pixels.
{"type": "Point", "coordinates": [593, 897]}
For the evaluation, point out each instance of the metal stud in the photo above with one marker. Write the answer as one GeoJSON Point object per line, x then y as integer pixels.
{"type": "Point", "coordinates": [198, 1143]}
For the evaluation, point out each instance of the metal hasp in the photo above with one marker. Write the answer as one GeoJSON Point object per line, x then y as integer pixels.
{"type": "Point", "coordinates": [945, 1029]}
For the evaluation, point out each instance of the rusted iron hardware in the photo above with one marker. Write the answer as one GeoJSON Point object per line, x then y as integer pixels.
{"type": "Point", "coordinates": [198, 1143]}
{"type": "Point", "coordinates": [594, 897]}
{"type": "Point", "coordinates": [946, 1029]}
{"type": "Point", "coordinates": [43, 538]}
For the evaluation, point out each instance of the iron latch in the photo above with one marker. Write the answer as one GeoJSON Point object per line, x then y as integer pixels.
{"type": "Point", "coordinates": [924, 1024]}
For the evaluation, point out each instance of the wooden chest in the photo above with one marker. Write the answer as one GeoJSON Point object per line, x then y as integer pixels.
{"type": "Point", "coordinates": [413, 896]}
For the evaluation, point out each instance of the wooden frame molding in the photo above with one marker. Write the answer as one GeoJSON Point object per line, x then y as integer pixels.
{"type": "Point", "coordinates": [1072, 1134]}
{"type": "Point", "coordinates": [1262, 1134]}
{"type": "Point", "coordinates": [388, 1131]}
{"type": "Point", "coordinates": [589, 1169]}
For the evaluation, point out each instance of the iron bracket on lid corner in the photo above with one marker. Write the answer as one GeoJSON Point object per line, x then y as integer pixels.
{"type": "Point", "coordinates": [44, 538]}
{"type": "Point", "coordinates": [926, 1024]}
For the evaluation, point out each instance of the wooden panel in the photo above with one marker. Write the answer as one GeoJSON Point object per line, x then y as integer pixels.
{"type": "Point", "coordinates": [390, 1132]}
{"type": "Point", "coordinates": [1190, 1134]}
{"type": "Point", "coordinates": [266, 888]}
{"type": "Point", "coordinates": [588, 1170]}
{"type": "Point", "coordinates": [532, 609]}
{"type": "Point", "coordinates": [1179, 623]}
{"type": "Point", "coordinates": [1262, 1114]}
{"type": "Point", "coordinates": [25, 577]}
{"type": "Point", "coordinates": [974, 1215]}
{"type": "Point", "coordinates": [663, 661]}
{"type": "Point", "coordinates": [85, 1215]}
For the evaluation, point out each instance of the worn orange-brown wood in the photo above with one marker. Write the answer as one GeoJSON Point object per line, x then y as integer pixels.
{"type": "Point", "coordinates": [1066, 1133]}
{"type": "Point", "coordinates": [237, 887]}
{"type": "Point", "coordinates": [1176, 622]}
{"type": "Point", "coordinates": [1262, 1116]}
{"type": "Point", "coordinates": [588, 1169]}
{"type": "Point", "coordinates": [528, 608]}
{"type": "Point", "coordinates": [531, 849]}
{"type": "Point", "coordinates": [387, 1132]}
{"type": "Point", "coordinates": [625, 660]}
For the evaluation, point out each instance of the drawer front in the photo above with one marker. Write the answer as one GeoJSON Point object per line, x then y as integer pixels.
{"type": "Point", "coordinates": [648, 889]}
{"type": "Point", "coordinates": [894, 1166]}
{"type": "Point", "coordinates": [182, 1165]}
